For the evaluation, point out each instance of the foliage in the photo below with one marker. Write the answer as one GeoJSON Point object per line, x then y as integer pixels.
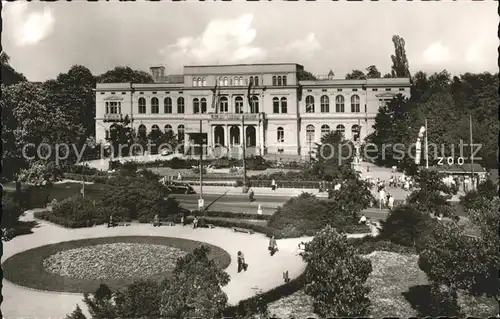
{"type": "Point", "coordinates": [353, 195]}
{"type": "Point", "coordinates": [462, 262]}
{"type": "Point", "coordinates": [431, 194]}
{"type": "Point", "coordinates": [406, 225]}
{"type": "Point", "coordinates": [336, 276]}
{"type": "Point", "coordinates": [77, 208]}
{"type": "Point", "coordinates": [9, 75]}
{"type": "Point", "coordinates": [121, 138]}
{"type": "Point", "coordinates": [355, 75]}
{"type": "Point", "coordinates": [400, 66]}
{"type": "Point", "coordinates": [195, 288]}
{"type": "Point", "coordinates": [76, 314]}
{"type": "Point", "coordinates": [334, 158]}
{"type": "Point", "coordinates": [306, 214]}
{"type": "Point", "coordinates": [303, 75]}
{"type": "Point", "coordinates": [372, 72]}
{"type": "Point", "coordinates": [40, 173]}
{"type": "Point", "coordinates": [486, 189]}
{"type": "Point", "coordinates": [140, 300]}
{"type": "Point", "coordinates": [369, 244]}
{"type": "Point", "coordinates": [121, 74]}
{"type": "Point", "coordinates": [11, 211]}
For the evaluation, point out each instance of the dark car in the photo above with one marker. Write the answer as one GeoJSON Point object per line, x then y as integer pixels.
{"type": "Point", "coordinates": [180, 188]}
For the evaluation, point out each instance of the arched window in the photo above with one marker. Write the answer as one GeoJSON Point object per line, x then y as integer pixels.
{"type": "Point", "coordinates": [339, 104]}
{"type": "Point", "coordinates": [309, 104]}
{"type": "Point", "coordinates": [325, 129]}
{"type": "Point", "coordinates": [180, 105]}
{"type": "Point", "coordinates": [221, 81]}
{"type": "Point", "coordinates": [254, 104]}
{"type": "Point", "coordinates": [341, 128]}
{"type": "Point", "coordinates": [196, 106]}
{"type": "Point", "coordinates": [168, 128]}
{"type": "Point", "coordinates": [223, 105]}
{"type": "Point", "coordinates": [155, 127]}
{"type": "Point", "coordinates": [284, 107]}
{"type": "Point", "coordinates": [251, 80]}
{"type": "Point", "coordinates": [155, 106]}
{"type": "Point", "coordinates": [310, 133]}
{"type": "Point", "coordinates": [276, 105]}
{"type": "Point", "coordinates": [274, 81]}
{"type": "Point", "coordinates": [167, 105]}
{"type": "Point", "coordinates": [284, 80]}
{"type": "Point", "coordinates": [256, 80]}
{"type": "Point", "coordinates": [355, 131]}
{"type": "Point", "coordinates": [203, 105]}
{"type": "Point", "coordinates": [180, 133]}
{"type": "Point", "coordinates": [279, 81]}
{"type": "Point", "coordinates": [238, 104]}
{"type": "Point", "coordinates": [225, 82]}
{"type": "Point", "coordinates": [240, 81]}
{"type": "Point", "coordinates": [142, 105]}
{"type": "Point", "coordinates": [325, 104]}
{"type": "Point", "coordinates": [236, 81]}
{"type": "Point", "coordinates": [204, 81]}
{"type": "Point", "coordinates": [355, 104]}
{"type": "Point", "coordinates": [280, 135]}
{"type": "Point", "coordinates": [195, 83]}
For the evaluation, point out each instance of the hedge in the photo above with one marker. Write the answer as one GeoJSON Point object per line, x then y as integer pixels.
{"type": "Point", "coordinates": [48, 216]}
{"type": "Point", "coordinates": [250, 306]}
{"type": "Point", "coordinates": [211, 213]}
{"type": "Point", "coordinates": [369, 244]}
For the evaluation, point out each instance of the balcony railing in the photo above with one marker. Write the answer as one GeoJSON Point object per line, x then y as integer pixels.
{"type": "Point", "coordinates": [236, 116]}
{"type": "Point", "coordinates": [113, 117]}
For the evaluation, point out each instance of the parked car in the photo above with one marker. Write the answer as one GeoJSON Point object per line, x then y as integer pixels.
{"type": "Point", "coordinates": [176, 187]}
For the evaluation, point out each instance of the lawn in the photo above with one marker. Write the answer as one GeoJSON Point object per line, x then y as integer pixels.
{"type": "Point", "coordinates": [398, 289]}
{"type": "Point", "coordinates": [27, 268]}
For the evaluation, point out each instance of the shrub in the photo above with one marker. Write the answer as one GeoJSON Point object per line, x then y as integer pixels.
{"type": "Point", "coordinates": [77, 208]}
{"type": "Point", "coordinates": [336, 276]}
{"type": "Point", "coordinates": [369, 244]}
{"type": "Point", "coordinates": [406, 225]}
{"type": "Point", "coordinates": [211, 213]}
{"type": "Point", "coordinates": [48, 216]}
{"type": "Point", "coordinates": [11, 211]}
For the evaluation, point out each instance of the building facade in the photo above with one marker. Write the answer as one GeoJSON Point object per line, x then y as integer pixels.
{"type": "Point", "coordinates": [282, 116]}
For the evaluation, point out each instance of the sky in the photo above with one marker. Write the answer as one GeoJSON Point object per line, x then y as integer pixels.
{"type": "Point", "coordinates": [45, 39]}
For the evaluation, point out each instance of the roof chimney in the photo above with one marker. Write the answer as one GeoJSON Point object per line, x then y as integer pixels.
{"type": "Point", "coordinates": [158, 73]}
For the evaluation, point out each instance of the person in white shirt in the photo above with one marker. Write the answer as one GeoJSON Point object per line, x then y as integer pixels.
{"type": "Point", "coordinates": [362, 220]}
{"type": "Point", "coordinates": [381, 196]}
{"type": "Point", "coordinates": [390, 203]}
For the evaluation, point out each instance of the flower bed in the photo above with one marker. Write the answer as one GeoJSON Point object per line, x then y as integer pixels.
{"type": "Point", "coordinates": [27, 268]}
{"type": "Point", "coordinates": [113, 261]}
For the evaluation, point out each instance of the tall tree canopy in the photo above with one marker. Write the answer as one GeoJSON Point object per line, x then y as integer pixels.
{"type": "Point", "coordinates": [125, 74]}
{"type": "Point", "coordinates": [355, 75]}
{"type": "Point", "coordinates": [9, 75]}
{"type": "Point", "coordinates": [372, 72]}
{"type": "Point", "coordinates": [303, 75]}
{"type": "Point", "coordinates": [400, 67]}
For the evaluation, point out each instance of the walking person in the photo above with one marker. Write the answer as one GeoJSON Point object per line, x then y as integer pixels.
{"type": "Point", "coordinates": [273, 246]}
{"type": "Point", "coordinates": [241, 262]}
{"type": "Point", "coordinates": [251, 195]}
{"type": "Point", "coordinates": [381, 196]}
{"type": "Point", "coordinates": [390, 202]}
{"type": "Point", "coordinates": [273, 185]}
{"type": "Point", "coordinates": [195, 222]}
{"type": "Point", "coordinates": [156, 221]}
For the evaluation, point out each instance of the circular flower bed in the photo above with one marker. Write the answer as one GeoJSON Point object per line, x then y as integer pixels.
{"type": "Point", "coordinates": [82, 265]}
{"type": "Point", "coordinates": [113, 261]}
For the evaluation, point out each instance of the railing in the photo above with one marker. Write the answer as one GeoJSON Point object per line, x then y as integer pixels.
{"type": "Point", "coordinates": [236, 116]}
{"type": "Point", "coordinates": [113, 117]}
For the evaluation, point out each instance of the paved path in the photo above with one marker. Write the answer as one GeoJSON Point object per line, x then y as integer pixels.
{"type": "Point", "coordinates": [264, 272]}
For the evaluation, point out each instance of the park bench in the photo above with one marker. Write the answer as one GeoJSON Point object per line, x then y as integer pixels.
{"type": "Point", "coordinates": [164, 223]}
{"type": "Point", "coordinates": [122, 224]}
{"type": "Point", "coordinates": [242, 230]}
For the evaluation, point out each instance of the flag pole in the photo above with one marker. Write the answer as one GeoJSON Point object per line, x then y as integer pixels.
{"type": "Point", "coordinates": [201, 163]}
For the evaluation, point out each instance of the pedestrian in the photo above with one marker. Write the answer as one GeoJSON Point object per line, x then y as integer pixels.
{"type": "Point", "coordinates": [363, 219]}
{"type": "Point", "coordinates": [381, 196]}
{"type": "Point", "coordinates": [182, 221]}
{"type": "Point", "coordinates": [241, 262]}
{"type": "Point", "coordinates": [195, 222]}
{"type": "Point", "coordinates": [156, 221]}
{"type": "Point", "coordinates": [111, 223]}
{"type": "Point", "coordinates": [251, 195]}
{"type": "Point", "coordinates": [273, 246]}
{"type": "Point", "coordinates": [390, 202]}
{"type": "Point", "coordinates": [273, 185]}
{"type": "Point", "coordinates": [179, 177]}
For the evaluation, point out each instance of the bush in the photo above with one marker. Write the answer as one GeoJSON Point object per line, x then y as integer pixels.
{"type": "Point", "coordinates": [48, 216]}
{"type": "Point", "coordinates": [305, 215]}
{"type": "Point", "coordinates": [369, 244]}
{"type": "Point", "coordinates": [11, 211]}
{"type": "Point", "coordinates": [211, 213]}
{"type": "Point", "coordinates": [77, 208]}
{"type": "Point", "coordinates": [406, 226]}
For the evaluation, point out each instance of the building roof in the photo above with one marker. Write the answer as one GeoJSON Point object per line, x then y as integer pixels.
{"type": "Point", "coordinates": [458, 169]}
{"type": "Point", "coordinates": [242, 64]}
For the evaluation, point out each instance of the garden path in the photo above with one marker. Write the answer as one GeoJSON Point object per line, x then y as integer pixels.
{"type": "Point", "coordinates": [264, 272]}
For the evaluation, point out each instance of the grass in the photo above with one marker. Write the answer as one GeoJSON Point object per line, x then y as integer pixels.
{"type": "Point", "coordinates": [398, 289]}
{"type": "Point", "coordinates": [26, 268]}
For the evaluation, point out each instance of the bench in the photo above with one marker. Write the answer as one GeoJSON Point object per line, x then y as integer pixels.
{"type": "Point", "coordinates": [122, 224]}
{"type": "Point", "coordinates": [242, 230]}
{"type": "Point", "coordinates": [166, 223]}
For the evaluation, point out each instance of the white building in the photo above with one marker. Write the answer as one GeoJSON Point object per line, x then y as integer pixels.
{"type": "Point", "coordinates": [286, 116]}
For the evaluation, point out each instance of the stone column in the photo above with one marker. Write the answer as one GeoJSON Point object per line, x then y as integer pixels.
{"type": "Point", "coordinates": [227, 141]}
{"type": "Point", "coordinates": [261, 137]}
{"type": "Point", "coordinates": [209, 139]}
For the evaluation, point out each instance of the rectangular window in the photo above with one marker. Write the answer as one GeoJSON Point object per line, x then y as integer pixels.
{"type": "Point", "coordinates": [113, 92]}
{"type": "Point", "coordinates": [123, 93]}
{"type": "Point", "coordinates": [355, 90]}
{"type": "Point", "coordinates": [388, 89]}
{"type": "Point", "coordinates": [309, 90]}
{"type": "Point", "coordinates": [102, 93]}
{"type": "Point", "coordinates": [374, 89]}
{"type": "Point", "coordinates": [167, 92]}
{"type": "Point", "coordinates": [339, 90]}
{"type": "Point", "coordinates": [180, 92]}
{"type": "Point", "coordinates": [154, 92]}
{"type": "Point", "coordinates": [401, 89]}
{"type": "Point", "coordinates": [323, 90]}
{"type": "Point", "coordinates": [141, 92]}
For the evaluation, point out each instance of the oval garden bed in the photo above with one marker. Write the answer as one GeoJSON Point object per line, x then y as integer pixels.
{"type": "Point", "coordinates": [82, 265]}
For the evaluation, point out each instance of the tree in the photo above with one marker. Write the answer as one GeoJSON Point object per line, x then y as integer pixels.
{"type": "Point", "coordinates": [40, 173]}
{"type": "Point", "coordinates": [353, 195]}
{"type": "Point", "coordinates": [11, 211]}
{"type": "Point", "coordinates": [303, 75]}
{"type": "Point", "coordinates": [195, 288]}
{"type": "Point", "coordinates": [76, 314]}
{"type": "Point", "coordinates": [101, 304]}
{"type": "Point", "coordinates": [400, 67]}
{"type": "Point", "coordinates": [486, 189]}
{"type": "Point", "coordinates": [355, 75]}
{"type": "Point", "coordinates": [336, 276]}
{"type": "Point", "coordinates": [9, 75]}
{"type": "Point", "coordinates": [122, 74]}
{"type": "Point", "coordinates": [334, 156]}
{"type": "Point", "coordinates": [431, 194]}
{"type": "Point", "coordinates": [372, 72]}
{"type": "Point", "coordinates": [461, 262]}
{"type": "Point", "coordinates": [141, 299]}
{"type": "Point", "coordinates": [122, 136]}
